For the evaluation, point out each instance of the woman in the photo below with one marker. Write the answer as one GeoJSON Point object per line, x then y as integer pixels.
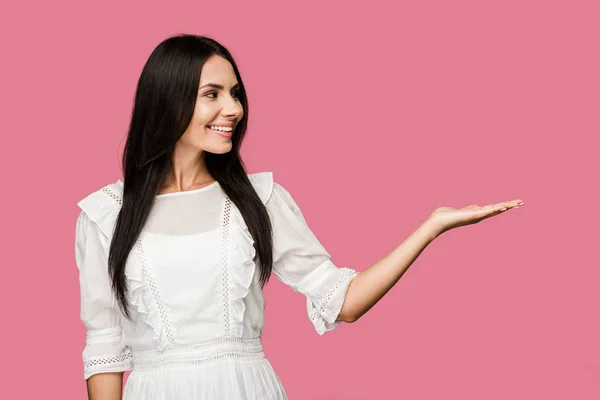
{"type": "Point", "coordinates": [174, 258]}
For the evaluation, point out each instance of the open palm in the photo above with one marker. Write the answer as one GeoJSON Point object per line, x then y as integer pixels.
{"type": "Point", "coordinates": [446, 218]}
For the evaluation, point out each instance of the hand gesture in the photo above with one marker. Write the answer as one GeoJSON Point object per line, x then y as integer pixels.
{"type": "Point", "coordinates": [446, 218]}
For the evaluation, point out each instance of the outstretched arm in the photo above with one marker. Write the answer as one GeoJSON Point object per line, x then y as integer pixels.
{"type": "Point", "coordinates": [371, 284]}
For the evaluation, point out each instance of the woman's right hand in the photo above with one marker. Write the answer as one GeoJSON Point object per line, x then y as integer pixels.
{"type": "Point", "coordinates": [445, 218]}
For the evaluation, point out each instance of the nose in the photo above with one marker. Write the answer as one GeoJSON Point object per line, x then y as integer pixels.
{"type": "Point", "coordinates": [232, 107]}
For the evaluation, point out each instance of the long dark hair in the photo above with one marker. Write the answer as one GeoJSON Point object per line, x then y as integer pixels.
{"type": "Point", "coordinates": [163, 108]}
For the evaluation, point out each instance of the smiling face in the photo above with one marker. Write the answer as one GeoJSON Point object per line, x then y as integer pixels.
{"type": "Point", "coordinates": [218, 108]}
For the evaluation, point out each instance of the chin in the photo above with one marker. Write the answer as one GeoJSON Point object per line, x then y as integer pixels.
{"type": "Point", "coordinates": [224, 151]}
{"type": "Point", "coordinates": [221, 149]}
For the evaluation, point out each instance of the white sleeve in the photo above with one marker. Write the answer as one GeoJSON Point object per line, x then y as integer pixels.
{"type": "Point", "coordinates": [104, 350]}
{"type": "Point", "coordinates": [300, 261]}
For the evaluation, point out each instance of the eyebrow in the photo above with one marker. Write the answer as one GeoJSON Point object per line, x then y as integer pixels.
{"type": "Point", "coordinates": [217, 86]}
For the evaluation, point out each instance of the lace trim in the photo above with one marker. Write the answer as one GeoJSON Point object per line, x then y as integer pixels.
{"type": "Point", "coordinates": [147, 275]}
{"type": "Point", "coordinates": [149, 279]}
{"type": "Point", "coordinates": [346, 273]}
{"type": "Point", "coordinates": [112, 194]}
{"type": "Point", "coordinates": [200, 353]}
{"type": "Point", "coordinates": [225, 265]}
{"type": "Point", "coordinates": [207, 345]}
{"type": "Point", "coordinates": [222, 356]}
{"type": "Point", "coordinates": [108, 360]}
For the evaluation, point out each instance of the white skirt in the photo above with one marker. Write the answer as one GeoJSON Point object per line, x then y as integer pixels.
{"type": "Point", "coordinates": [221, 370]}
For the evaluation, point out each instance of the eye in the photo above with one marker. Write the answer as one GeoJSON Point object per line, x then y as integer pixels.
{"type": "Point", "coordinates": [235, 94]}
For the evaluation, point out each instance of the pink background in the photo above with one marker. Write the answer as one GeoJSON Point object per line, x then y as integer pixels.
{"type": "Point", "coordinates": [371, 115]}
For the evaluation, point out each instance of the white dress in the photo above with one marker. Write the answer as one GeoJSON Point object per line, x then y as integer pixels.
{"type": "Point", "coordinates": [194, 294]}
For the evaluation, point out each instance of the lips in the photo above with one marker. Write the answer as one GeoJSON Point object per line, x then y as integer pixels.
{"type": "Point", "coordinates": [222, 133]}
{"type": "Point", "coordinates": [224, 124]}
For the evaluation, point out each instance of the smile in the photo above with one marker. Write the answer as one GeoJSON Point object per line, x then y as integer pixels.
{"type": "Point", "coordinates": [221, 128]}
{"type": "Point", "coordinates": [226, 132]}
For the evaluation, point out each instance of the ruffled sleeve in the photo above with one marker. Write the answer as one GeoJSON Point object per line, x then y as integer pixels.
{"type": "Point", "coordinates": [300, 261]}
{"type": "Point", "coordinates": [104, 349]}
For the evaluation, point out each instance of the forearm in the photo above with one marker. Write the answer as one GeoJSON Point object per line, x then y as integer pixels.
{"type": "Point", "coordinates": [371, 284]}
{"type": "Point", "coordinates": [105, 386]}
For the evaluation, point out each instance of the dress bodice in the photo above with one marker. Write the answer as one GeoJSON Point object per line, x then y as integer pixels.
{"type": "Point", "coordinates": [193, 288]}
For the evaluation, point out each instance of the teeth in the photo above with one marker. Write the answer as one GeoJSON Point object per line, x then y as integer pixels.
{"type": "Point", "coordinates": [221, 128]}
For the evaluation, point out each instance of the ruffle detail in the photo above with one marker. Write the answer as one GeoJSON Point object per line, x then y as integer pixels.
{"type": "Point", "coordinates": [263, 184]}
{"type": "Point", "coordinates": [241, 273]}
{"type": "Point", "coordinates": [140, 295]}
{"type": "Point", "coordinates": [242, 267]}
{"type": "Point", "coordinates": [324, 318]}
{"type": "Point", "coordinates": [103, 206]}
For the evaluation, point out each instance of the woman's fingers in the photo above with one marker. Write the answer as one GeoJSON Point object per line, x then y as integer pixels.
{"type": "Point", "coordinates": [511, 204]}
{"type": "Point", "coordinates": [505, 205]}
{"type": "Point", "coordinates": [446, 218]}
{"type": "Point", "coordinates": [494, 209]}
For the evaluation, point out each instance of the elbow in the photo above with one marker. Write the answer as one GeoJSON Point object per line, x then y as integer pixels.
{"type": "Point", "coordinates": [349, 312]}
{"type": "Point", "coordinates": [347, 316]}
{"type": "Point", "coordinates": [350, 319]}
{"type": "Point", "coordinates": [353, 318]}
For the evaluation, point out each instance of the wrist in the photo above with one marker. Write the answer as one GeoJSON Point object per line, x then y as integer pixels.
{"type": "Point", "coordinates": [432, 228]}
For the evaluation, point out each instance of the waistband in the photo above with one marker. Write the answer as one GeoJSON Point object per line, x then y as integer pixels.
{"type": "Point", "coordinates": [220, 349]}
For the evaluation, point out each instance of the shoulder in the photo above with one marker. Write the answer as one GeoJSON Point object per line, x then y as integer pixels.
{"type": "Point", "coordinates": [267, 187]}
{"type": "Point", "coordinates": [102, 205]}
{"type": "Point", "coordinates": [271, 192]}
{"type": "Point", "coordinates": [263, 184]}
